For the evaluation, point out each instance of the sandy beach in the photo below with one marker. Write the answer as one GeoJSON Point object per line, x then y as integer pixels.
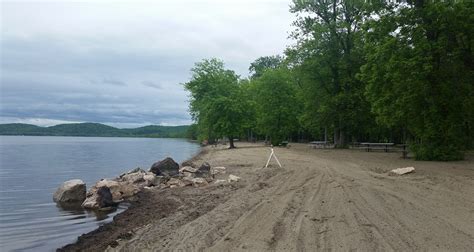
{"type": "Point", "coordinates": [322, 199]}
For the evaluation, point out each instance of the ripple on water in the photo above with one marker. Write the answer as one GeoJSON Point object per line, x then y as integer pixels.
{"type": "Point", "coordinates": [33, 167]}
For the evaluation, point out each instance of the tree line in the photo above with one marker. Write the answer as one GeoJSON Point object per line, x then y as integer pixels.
{"type": "Point", "coordinates": [379, 71]}
{"type": "Point", "coordinates": [93, 130]}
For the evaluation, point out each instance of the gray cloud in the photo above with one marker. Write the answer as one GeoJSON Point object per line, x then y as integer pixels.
{"type": "Point", "coordinates": [123, 63]}
{"type": "Point", "coordinates": [152, 84]}
{"type": "Point", "coordinates": [114, 82]}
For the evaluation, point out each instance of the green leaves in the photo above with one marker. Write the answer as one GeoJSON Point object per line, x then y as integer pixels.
{"type": "Point", "coordinates": [415, 74]}
{"type": "Point", "coordinates": [327, 58]}
{"type": "Point", "coordinates": [360, 71]}
{"type": "Point", "coordinates": [215, 102]}
{"type": "Point", "coordinates": [276, 104]}
{"type": "Point", "coordinates": [260, 65]}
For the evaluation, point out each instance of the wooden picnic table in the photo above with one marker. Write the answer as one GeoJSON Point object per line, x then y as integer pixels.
{"type": "Point", "coordinates": [370, 146]}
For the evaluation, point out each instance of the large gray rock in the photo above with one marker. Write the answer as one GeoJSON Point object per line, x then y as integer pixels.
{"type": "Point", "coordinates": [166, 167]}
{"type": "Point", "coordinates": [100, 198]}
{"type": "Point", "coordinates": [72, 191]}
{"type": "Point", "coordinates": [204, 170]}
{"type": "Point", "coordinates": [134, 178]}
{"type": "Point", "coordinates": [118, 190]}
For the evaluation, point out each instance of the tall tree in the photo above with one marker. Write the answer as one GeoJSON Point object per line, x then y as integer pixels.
{"type": "Point", "coordinates": [215, 102]}
{"type": "Point", "coordinates": [276, 105]}
{"type": "Point", "coordinates": [328, 56]}
{"type": "Point", "coordinates": [420, 74]}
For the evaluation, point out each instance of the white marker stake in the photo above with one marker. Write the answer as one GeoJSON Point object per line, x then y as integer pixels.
{"type": "Point", "coordinates": [270, 157]}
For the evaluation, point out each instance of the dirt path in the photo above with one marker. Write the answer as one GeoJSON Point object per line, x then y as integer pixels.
{"type": "Point", "coordinates": [321, 200]}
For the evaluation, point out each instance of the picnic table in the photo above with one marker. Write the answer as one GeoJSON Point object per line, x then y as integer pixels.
{"type": "Point", "coordinates": [377, 146]}
{"type": "Point", "coordinates": [318, 144]}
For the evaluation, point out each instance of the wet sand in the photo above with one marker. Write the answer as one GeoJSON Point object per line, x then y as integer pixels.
{"type": "Point", "coordinates": [320, 200]}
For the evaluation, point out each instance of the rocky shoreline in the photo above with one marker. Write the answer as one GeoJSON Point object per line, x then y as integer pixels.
{"type": "Point", "coordinates": [138, 188]}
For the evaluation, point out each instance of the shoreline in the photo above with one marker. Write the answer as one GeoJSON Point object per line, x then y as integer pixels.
{"type": "Point", "coordinates": [136, 204]}
{"type": "Point", "coordinates": [321, 199]}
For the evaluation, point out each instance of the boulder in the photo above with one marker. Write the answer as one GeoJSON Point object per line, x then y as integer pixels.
{"type": "Point", "coordinates": [116, 189]}
{"type": "Point", "coordinates": [134, 178]}
{"type": "Point", "coordinates": [233, 178]}
{"type": "Point", "coordinates": [204, 170]}
{"type": "Point", "coordinates": [119, 189]}
{"type": "Point", "coordinates": [151, 179]}
{"type": "Point", "coordinates": [199, 182]}
{"type": "Point", "coordinates": [101, 198]}
{"type": "Point", "coordinates": [166, 167]}
{"type": "Point", "coordinates": [71, 191]}
{"type": "Point", "coordinates": [401, 171]}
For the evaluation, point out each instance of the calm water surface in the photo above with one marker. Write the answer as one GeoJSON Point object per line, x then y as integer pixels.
{"type": "Point", "coordinates": [31, 168]}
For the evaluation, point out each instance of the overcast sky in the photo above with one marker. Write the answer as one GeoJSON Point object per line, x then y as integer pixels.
{"type": "Point", "coordinates": [123, 62]}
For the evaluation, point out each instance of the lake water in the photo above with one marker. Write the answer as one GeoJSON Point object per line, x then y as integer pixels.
{"type": "Point", "coordinates": [31, 169]}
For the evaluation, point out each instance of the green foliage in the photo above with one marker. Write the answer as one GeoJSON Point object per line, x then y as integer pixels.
{"type": "Point", "coordinates": [260, 65]}
{"type": "Point", "coordinates": [276, 104]}
{"type": "Point", "coordinates": [419, 75]}
{"type": "Point", "coordinates": [359, 71]}
{"type": "Point", "coordinates": [216, 103]}
{"type": "Point", "coordinates": [192, 132]}
{"type": "Point", "coordinates": [93, 130]}
{"type": "Point", "coordinates": [327, 58]}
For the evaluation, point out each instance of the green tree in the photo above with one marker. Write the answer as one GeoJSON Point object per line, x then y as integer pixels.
{"type": "Point", "coordinates": [260, 65]}
{"type": "Point", "coordinates": [419, 75]}
{"type": "Point", "coordinates": [192, 132]}
{"type": "Point", "coordinates": [276, 104]}
{"type": "Point", "coordinates": [215, 101]}
{"type": "Point", "coordinates": [327, 58]}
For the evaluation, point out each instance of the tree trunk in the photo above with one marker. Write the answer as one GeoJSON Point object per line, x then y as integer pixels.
{"type": "Point", "coordinates": [342, 139]}
{"type": "Point", "coordinates": [325, 134]}
{"type": "Point", "coordinates": [231, 142]}
{"type": "Point", "coordinates": [336, 137]}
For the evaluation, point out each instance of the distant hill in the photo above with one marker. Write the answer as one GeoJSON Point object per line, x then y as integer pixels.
{"type": "Point", "coordinates": [93, 129]}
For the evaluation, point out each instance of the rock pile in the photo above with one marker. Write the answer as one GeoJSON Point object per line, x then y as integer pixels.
{"type": "Point", "coordinates": [125, 186]}
{"type": "Point", "coordinates": [163, 174]}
